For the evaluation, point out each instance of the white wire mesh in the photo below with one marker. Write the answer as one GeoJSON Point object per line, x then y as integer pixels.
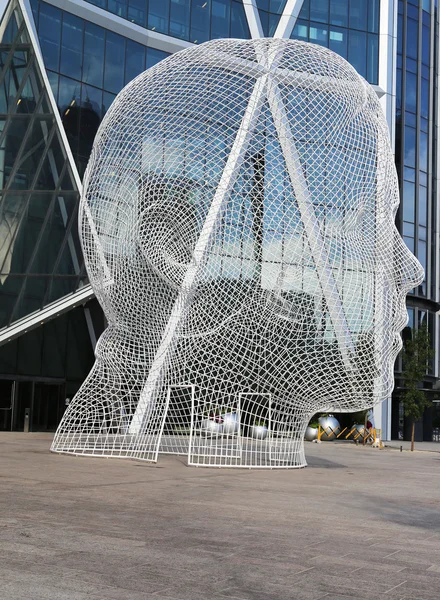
{"type": "Point", "coordinates": [237, 222]}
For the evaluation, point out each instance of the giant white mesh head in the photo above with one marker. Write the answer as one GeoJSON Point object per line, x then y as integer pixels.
{"type": "Point", "coordinates": [237, 223]}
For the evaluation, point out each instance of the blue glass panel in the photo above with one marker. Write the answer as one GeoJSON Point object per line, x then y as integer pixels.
{"type": "Point", "coordinates": [412, 12]}
{"type": "Point", "coordinates": [34, 5]}
{"type": "Point", "coordinates": [409, 242]}
{"type": "Point", "coordinates": [421, 254]}
{"type": "Point", "coordinates": [107, 99]}
{"type": "Point", "coordinates": [357, 51]}
{"type": "Point", "coordinates": [49, 34]}
{"type": "Point", "coordinates": [263, 5]}
{"type": "Point", "coordinates": [409, 201]}
{"type": "Point", "coordinates": [220, 18]}
{"type": "Point", "coordinates": [273, 23]}
{"type": "Point", "coordinates": [318, 34]}
{"type": "Point", "coordinates": [239, 26]}
{"type": "Point", "coordinates": [301, 31]}
{"type": "Point", "coordinates": [409, 174]}
{"type": "Point", "coordinates": [71, 46]}
{"type": "Point", "coordinates": [53, 80]}
{"type": "Point", "coordinates": [179, 18]}
{"type": "Point", "coordinates": [410, 119]}
{"type": "Point", "coordinates": [200, 21]}
{"type": "Point", "coordinates": [372, 58]}
{"type": "Point", "coordinates": [373, 15]}
{"type": "Point", "coordinates": [93, 54]}
{"type": "Point", "coordinates": [400, 34]}
{"type": "Point", "coordinates": [358, 14]}
{"type": "Point", "coordinates": [424, 124]}
{"type": "Point", "coordinates": [426, 18]}
{"type": "Point", "coordinates": [137, 12]}
{"type": "Point", "coordinates": [399, 89]}
{"type": "Point", "coordinates": [426, 46]}
{"type": "Point", "coordinates": [69, 93]}
{"type": "Point", "coordinates": [422, 233]}
{"type": "Point", "coordinates": [100, 3]}
{"type": "Point", "coordinates": [410, 147]}
{"type": "Point", "coordinates": [134, 60]}
{"type": "Point", "coordinates": [338, 40]}
{"type": "Point", "coordinates": [411, 92]}
{"type": "Point", "coordinates": [424, 98]}
{"type": "Point", "coordinates": [305, 10]}
{"type": "Point", "coordinates": [158, 15]}
{"type": "Point", "coordinates": [118, 7]}
{"type": "Point", "coordinates": [154, 56]}
{"type": "Point", "coordinates": [408, 229]}
{"type": "Point", "coordinates": [423, 151]}
{"type": "Point", "coordinates": [339, 13]}
{"type": "Point", "coordinates": [114, 62]}
{"type": "Point", "coordinates": [264, 18]}
{"type": "Point", "coordinates": [412, 38]}
{"type": "Point", "coordinates": [423, 205]}
{"type": "Point", "coordinates": [411, 65]}
{"type": "Point", "coordinates": [319, 10]}
{"type": "Point", "coordinates": [276, 6]}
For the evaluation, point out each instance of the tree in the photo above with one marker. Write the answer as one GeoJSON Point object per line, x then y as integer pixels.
{"type": "Point", "coordinates": [417, 352]}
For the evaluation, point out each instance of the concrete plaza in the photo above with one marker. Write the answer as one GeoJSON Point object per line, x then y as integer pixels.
{"type": "Point", "coordinates": [358, 523]}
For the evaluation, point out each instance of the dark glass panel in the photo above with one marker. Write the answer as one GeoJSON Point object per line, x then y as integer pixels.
{"type": "Point", "coordinates": [71, 46]}
{"type": "Point", "coordinates": [424, 98]}
{"type": "Point", "coordinates": [137, 12]}
{"type": "Point", "coordinates": [29, 355]}
{"type": "Point", "coordinates": [277, 6]}
{"type": "Point", "coordinates": [305, 10]}
{"type": "Point", "coordinates": [220, 18]}
{"type": "Point", "coordinates": [411, 65]}
{"type": "Point", "coordinates": [114, 62]}
{"type": "Point", "coordinates": [357, 51]}
{"type": "Point", "coordinates": [12, 210]}
{"type": "Point", "coordinates": [318, 34]}
{"type": "Point", "coordinates": [319, 10]}
{"type": "Point", "coordinates": [9, 291]}
{"type": "Point", "coordinates": [180, 11]}
{"type": "Point", "coordinates": [239, 26]}
{"type": "Point", "coordinates": [372, 58]}
{"type": "Point", "coordinates": [423, 205]}
{"type": "Point", "coordinates": [34, 6]}
{"type": "Point", "coordinates": [358, 14]}
{"type": "Point", "coordinates": [100, 3]}
{"type": "Point", "coordinates": [200, 19]}
{"type": "Point", "coordinates": [423, 151]}
{"type": "Point", "coordinates": [154, 56]}
{"type": "Point", "coordinates": [69, 104]}
{"type": "Point", "coordinates": [339, 13]}
{"type": "Point", "coordinates": [32, 296]}
{"type": "Point", "coordinates": [409, 201]}
{"type": "Point", "coordinates": [61, 286]}
{"type": "Point", "coordinates": [273, 24]}
{"type": "Point", "coordinates": [118, 7]}
{"type": "Point", "coordinates": [412, 12]}
{"type": "Point", "coordinates": [263, 5]}
{"type": "Point", "coordinates": [410, 147]}
{"type": "Point", "coordinates": [158, 15]}
{"type": "Point", "coordinates": [264, 18]}
{"type": "Point", "coordinates": [134, 60]}
{"type": "Point", "coordinates": [421, 254]}
{"type": "Point", "coordinates": [90, 119]}
{"type": "Point", "coordinates": [11, 30]}
{"type": "Point", "coordinates": [412, 38]}
{"type": "Point", "coordinates": [49, 34]}
{"type": "Point", "coordinates": [426, 45]}
{"type": "Point", "coordinates": [93, 55]}
{"type": "Point", "coordinates": [373, 15]}
{"type": "Point", "coordinates": [338, 40]}
{"type": "Point", "coordinates": [107, 99]}
{"type": "Point", "coordinates": [301, 31]}
{"type": "Point", "coordinates": [399, 90]}
{"type": "Point", "coordinates": [425, 71]}
{"type": "Point", "coordinates": [13, 141]}
{"type": "Point", "coordinates": [79, 356]}
{"type": "Point", "coordinates": [400, 34]}
{"type": "Point", "coordinates": [54, 347]}
{"type": "Point", "coordinates": [411, 92]}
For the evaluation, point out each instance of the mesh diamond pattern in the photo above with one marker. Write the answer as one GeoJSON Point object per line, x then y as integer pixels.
{"type": "Point", "coordinates": [237, 222]}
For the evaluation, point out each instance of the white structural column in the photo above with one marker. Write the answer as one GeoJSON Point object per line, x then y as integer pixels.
{"type": "Point", "coordinates": [253, 19]}
{"type": "Point", "coordinates": [288, 18]}
{"type": "Point", "coordinates": [310, 223]}
{"type": "Point", "coordinates": [227, 180]}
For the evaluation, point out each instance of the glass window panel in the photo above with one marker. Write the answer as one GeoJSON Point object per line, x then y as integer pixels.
{"type": "Point", "coordinates": [409, 174]}
{"type": "Point", "coordinates": [277, 6]}
{"type": "Point", "coordinates": [399, 90]}
{"type": "Point", "coordinates": [239, 26]}
{"type": "Point", "coordinates": [11, 249]}
{"type": "Point", "coordinates": [34, 292]}
{"type": "Point", "coordinates": [114, 62]}
{"type": "Point", "coordinates": [71, 46]}
{"type": "Point", "coordinates": [408, 229]}
{"type": "Point", "coordinates": [220, 18]}
{"type": "Point", "coordinates": [424, 98]}
{"type": "Point", "coordinates": [118, 7]}
{"type": "Point", "coordinates": [34, 5]}
{"type": "Point", "coordinates": [409, 242]}
{"type": "Point", "coordinates": [273, 23]}
{"type": "Point", "coordinates": [424, 124]}
{"type": "Point", "coordinates": [107, 100]}
{"type": "Point", "coordinates": [426, 45]}
{"type": "Point", "coordinates": [179, 18]}
{"type": "Point", "coordinates": [154, 56]}
{"type": "Point", "coordinates": [421, 253]}
{"type": "Point", "coordinates": [100, 3]}
{"type": "Point", "coordinates": [13, 141]}
{"type": "Point", "coordinates": [409, 201]}
{"type": "Point", "coordinates": [425, 72]}
{"type": "Point", "coordinates": [338, 41]}
{"type": "Point", "coordinates": [358, 14]}
{"type": "Point", "coordinates": [305, 10]}
{"type": "Point", "coordinates": [423, 205]}
{"type": "Point", "coordinates": [410, 147]}
{"type": "Point", "coordinates": [158, 15]}
{"type": "Point", "coordinates": [137, 12]}
{"type": "Point", "coordinates": [400, 34]}
{"type": "Point", "coordinates": [49, 34]}
{"type": "Point", "coordinates": [357, 51]}
{"type": "Point", "coordinates": [69, 93]}
{"type": "Point", "coordinates": [134, 60]}
{"type": "Point", "coordinates": [412, 11]}
{"type": "Point", "coordinates": [372, 58]}
{"type": "Point", "coordinates": [426, 17]}
{"type": "Point", "coordinates": [411, 65]}
{"type": "Point", "coordinates": [423, 178]}
{"type": "Point", "coordinates": [373, 15]}
{"type": "Point", "coordinates": [423, 152]}
{"type": "Point", "coordinates": [93, 54]}
{"type": "Point", "coordinates": [264, 18]}
{"type": "Point", "coordinates": [410, 119]}
{"type": "Point", "coordinates": [90, 119]}
{"type": "Point", "coordinates": [339, 13]}
{"type": "Point", "coordinates": [318, 34]}
{"type": "Point", "coordinates": [412, 38]}
{"type": "Point", "coordinates": [301, 31]}
{"type": "Point", "coordinates": [263, 5]}
{"type": "Point", "coordinates": [200, 20]}
{"type": "Point", "coordinates": [422, 233]}
{"type": "Point", "coordinates": [319, 10]}
{"type": "Point", "coordinates": [53, 80]}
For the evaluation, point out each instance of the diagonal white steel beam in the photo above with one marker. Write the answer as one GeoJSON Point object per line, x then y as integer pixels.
{"type": "Point", "coordinates": [253, 19]}
{"type": "Point", "coordinates": [288, 19]}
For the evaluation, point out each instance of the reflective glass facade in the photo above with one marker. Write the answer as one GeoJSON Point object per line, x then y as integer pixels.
{"type": "Point", "coordinates": [87, 66]}
{"type": "Point", "coordinates": [40, 254]}
{"type": "Point", "coordinates": [194, 20]}
{"type": "Point", "coordinates": [348, 27]}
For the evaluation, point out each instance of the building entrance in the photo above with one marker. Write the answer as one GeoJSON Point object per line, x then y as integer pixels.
{"type": "Point", "coordinates": [41, 402]}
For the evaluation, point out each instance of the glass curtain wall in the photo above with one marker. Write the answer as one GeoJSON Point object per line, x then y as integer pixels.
{"type": "Point", "coordinates": [87, 66]}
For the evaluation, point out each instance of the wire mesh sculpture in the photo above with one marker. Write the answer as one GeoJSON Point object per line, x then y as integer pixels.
{"type": "Point", "coordinates": [237, 222]}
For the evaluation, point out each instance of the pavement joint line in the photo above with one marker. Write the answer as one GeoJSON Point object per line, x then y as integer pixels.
{"type": "Point", "coordinates": [396, 586]}
{"type": "Point", "coordinates": [392, 554]}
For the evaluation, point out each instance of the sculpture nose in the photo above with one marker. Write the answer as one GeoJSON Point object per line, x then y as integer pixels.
{"type": "Point", "coordinates": [410, 271]}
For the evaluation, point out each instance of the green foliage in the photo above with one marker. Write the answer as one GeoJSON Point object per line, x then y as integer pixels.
{"type": "Point", "coordinates": [260, 423]}
{"type": "Point", "coordinates": [417, 352]}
